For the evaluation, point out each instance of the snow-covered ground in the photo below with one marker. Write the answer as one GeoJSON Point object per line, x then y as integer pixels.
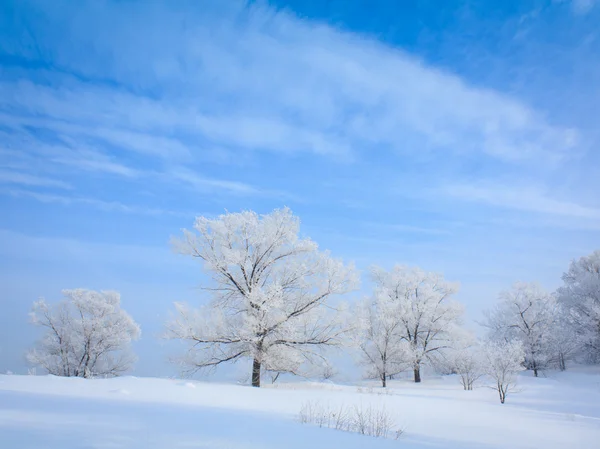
{"type": "Point", "coordinates": [560, 411]}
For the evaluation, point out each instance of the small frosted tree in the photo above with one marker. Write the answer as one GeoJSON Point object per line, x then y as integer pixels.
{"type": "Point", "coordinates": [465, 359]}
{"type": "Point", "coordinates": [87, 334]}
{"type": "Point", "coordinates": [580, 298]}
{"type": "Point", "coordinates": [526, 313]}
{"type": "Point", "coordinates": [429, 317]}
{"type": "Point", "coordinates": [271, 294]}
{"type": "Point", "coordinates": [377, 336]}
{"type": "Point", "coordinates": [502, 361]}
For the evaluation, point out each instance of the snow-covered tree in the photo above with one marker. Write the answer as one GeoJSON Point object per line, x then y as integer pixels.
{"type": "Point", "coordinates": [580, 298]}
{"type": "Point", "coordinates": [377, 336]}
{"type": "Point", "coordinates": [87, 334]}
{"type": "Point", "coordinates": [465, 359]}
{"type": "Point", "coordinates": [429, 318]}
{"type": "Point", "coordinates": [526, 313]}
{"type": "Point", "coordinates": [502, 361]}
{"type": "Point", "coordinates": [270, 291]}
{"type": "Point", "coordinates": [564, 342]}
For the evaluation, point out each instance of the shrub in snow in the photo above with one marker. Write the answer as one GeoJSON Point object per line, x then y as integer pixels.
{"type": "Point", "coordinates": [502, 361]}
{"type": "Point", "coordinates": [327, 372]}
{"type": "Point", "coordinates": [365, 420]}
{"type": "Point", "coordinates": [270, 294]}
{"type": "Point", "coordinates": [87, 334]}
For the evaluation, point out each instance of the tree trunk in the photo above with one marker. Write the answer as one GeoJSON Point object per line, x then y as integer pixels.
{"type": "Point", "coordinates": [417, 372]}
{"type": "Point", "coordinates": [256, 373]}
{"type": "Point", "coordinates": [561, 361]}
{"type": "Point", "coordinates": [383, 380]}
{"type": "Point", "coordinates": [535, 372]}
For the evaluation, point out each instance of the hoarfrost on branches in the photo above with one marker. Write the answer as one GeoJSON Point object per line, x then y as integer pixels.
{"type": "Point", "coordinates": [526, 313]}
{"type": "Point", "coordinates": [580, 298]}
{"type": "Point", "coordinates": [377, 336]}
{"type": "Point", "coordinates": [465, 359]}
{"type": "Point", "coordinates": [87, 334]}
{"type": "Point", "coordinates": [270, 294]}
{"type": "Point", "coordinates": [502, 361]}
{"type": "Point", "coordinates": [428, 319]}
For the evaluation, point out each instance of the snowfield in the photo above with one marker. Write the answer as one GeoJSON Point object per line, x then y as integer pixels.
{"type": "Point", "coordinates": [560, 411]}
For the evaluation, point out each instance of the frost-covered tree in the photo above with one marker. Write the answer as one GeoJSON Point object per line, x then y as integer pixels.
{"type": "Point", "coordinates": [502, 361]}
{"type": "Point", "coordinates": [270, 294]}
{"type": "Point", "coordinates": [87, 334]}
{"type": "Point", "coordinates": [526, 313]}
{"type": "Point", "coordinates": [429, 318]}
{"type": "Point", "coordinates": [564, 342]}
{"type": "Point", "coordinates": [465, 359]}
{"type": "Point", "coordinates": [377, 335]}
{"type": "Point", "coordinates": [580, 298]}
{"type": "Point", "coordinates": [467, 364]}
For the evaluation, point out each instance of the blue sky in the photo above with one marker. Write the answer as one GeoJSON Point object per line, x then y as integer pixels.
{"type": "Point", "coordinates": [458, 136]}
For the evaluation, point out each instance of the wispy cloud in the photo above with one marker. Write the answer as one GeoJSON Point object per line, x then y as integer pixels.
{"type": "Point", "coordinates": [523, 198]}
{"type": "Point", "coordinates": [201, 183]}
{"type": "Point", "coordinates": [107, 206]}
{"type": "Point", "coordinates": [103, 166]}
{"type": "Point", "coordinates": [407, 229]}
{"type": "Point", "coordinates": [84, 157]}
{"type": "Point", "coordinates": [543, 223]}
{"type": "Point", "coordinates": [24, 150]}
{"type": "Point", "coordinates": [13, 177]}
{"type": "Point", "coordinates": [271, 83]}
{"type": "Point", "coordinates": [144, 142]}
{"type": "Point", "coordinates": [582, 7]}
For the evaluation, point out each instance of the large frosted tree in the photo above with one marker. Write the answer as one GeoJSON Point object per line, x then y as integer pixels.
{"type": "Point", "coordinates": [580, 298]}
{"type": "Point", "coordinates": [429, 318]}
{"type": "Point", "coordinates": [270, 291]}
{"type": "Point", "coordinates": [526, 313]}
{"type": "Point", "coordinates": [85, 335]}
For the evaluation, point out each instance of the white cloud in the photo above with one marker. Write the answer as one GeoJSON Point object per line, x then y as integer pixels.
{"type": "Point", "coordinates": [13, 177]}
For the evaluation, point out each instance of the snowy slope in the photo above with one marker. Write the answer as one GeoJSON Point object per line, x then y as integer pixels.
{"type": "Point", "coordinates": [65, 413]}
